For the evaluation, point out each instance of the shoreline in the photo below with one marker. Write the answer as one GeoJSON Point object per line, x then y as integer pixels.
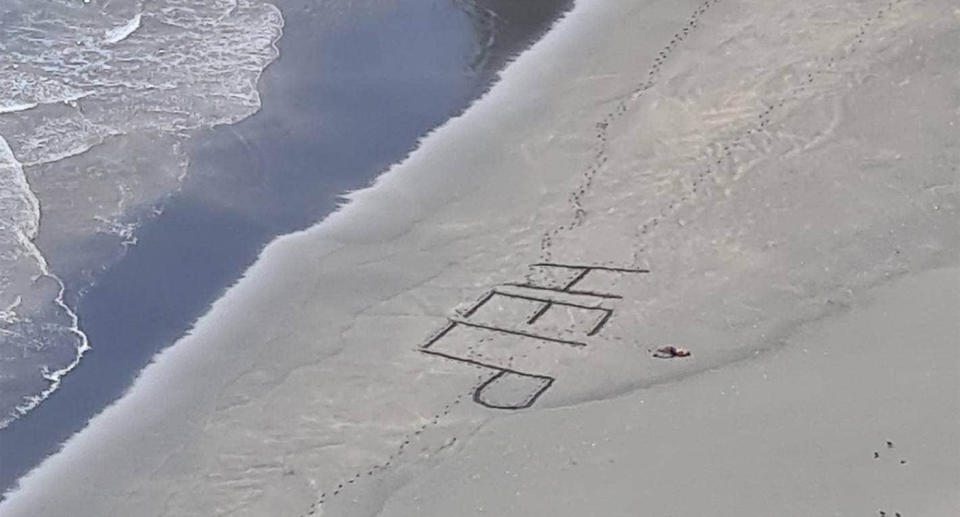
{"type": "Point", "coordinates": [302, 388]}
{"type": "Point", "coordinates": [125, 306]}
{"type": "Point", "coordinates": [252, 285]}
{"type": "Point", "coordinates": [69, 306]}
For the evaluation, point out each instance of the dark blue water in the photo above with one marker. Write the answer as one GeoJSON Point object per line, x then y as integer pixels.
{"type": "Point", "coordinates": [343, 101]}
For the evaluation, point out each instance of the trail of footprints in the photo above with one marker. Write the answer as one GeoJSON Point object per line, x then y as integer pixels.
{"type": "Point", "coordinates": [405, 444]}
{"type": "Point", "coordinates": [763, 120]}
{"type": "Point", "coordinates": [600, 147]}
{"type": "Point", "coordinates": [576, 197]}
{"type": "Point", "coordinates": [901, 461]}
{"type": "Point", "coordinates": [600, 159]}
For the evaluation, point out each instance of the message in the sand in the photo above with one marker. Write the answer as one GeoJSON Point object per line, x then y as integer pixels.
{"type": "Point", "coordinates": [519, 330]}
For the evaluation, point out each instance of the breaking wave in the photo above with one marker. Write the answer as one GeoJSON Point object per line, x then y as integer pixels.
{"type": "Point", "coordinates": [120, 33]}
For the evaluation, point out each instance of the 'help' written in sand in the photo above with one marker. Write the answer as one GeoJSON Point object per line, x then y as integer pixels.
{"type": "Point", "coordinates": [518, 330]}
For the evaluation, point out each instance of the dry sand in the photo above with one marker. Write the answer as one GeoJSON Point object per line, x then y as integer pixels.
{"type": "Point", "coordinates": [799, 431]}
{"type": "Point", "coordinates": [786, 171]}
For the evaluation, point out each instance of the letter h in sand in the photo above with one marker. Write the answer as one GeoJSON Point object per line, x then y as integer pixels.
{"type": "Point", "coordinates": [518, 328]}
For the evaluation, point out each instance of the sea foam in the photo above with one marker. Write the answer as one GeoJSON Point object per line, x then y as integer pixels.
{"type": "Point", "coordinates": [24, 345]}
{"type": "Point", "coordinates": [121, 33]}
{"type": "Point", "coordinates": [75, 76]}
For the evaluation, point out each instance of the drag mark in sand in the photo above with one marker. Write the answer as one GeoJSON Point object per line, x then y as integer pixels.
{"type": "Point", "coordinates": [603, 126]}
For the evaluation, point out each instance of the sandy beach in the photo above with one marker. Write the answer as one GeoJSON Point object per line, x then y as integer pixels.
{"type": "Point", "coordinates": [348, 93]}
{"type": "Point", "coordinates": [771, 185]}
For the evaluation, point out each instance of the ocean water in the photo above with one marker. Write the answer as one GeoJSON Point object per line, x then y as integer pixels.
{"type": "Point", "coordinates": [77, 75]}
{"type": "Point", "coordinates": [40, 340]}
{"type": "Point", "coordinates": [195, 163]}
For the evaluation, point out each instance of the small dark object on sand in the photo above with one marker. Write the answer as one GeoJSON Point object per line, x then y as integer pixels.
{"type": "Point", "coordinates": [670, 351]}
{"type": "Point", "coordinates": [889, 444]}
{"type": "Point", "coordinates": [876, 455]}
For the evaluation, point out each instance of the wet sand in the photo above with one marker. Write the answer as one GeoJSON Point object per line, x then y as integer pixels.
{"type": "Point", "coordinates": [347, 97]}
{"type": "Point", "coordinates": [709, 175]}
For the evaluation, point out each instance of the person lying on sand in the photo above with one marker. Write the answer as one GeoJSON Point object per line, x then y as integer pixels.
{"type": "Point", "coordinates": [670, 351]}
